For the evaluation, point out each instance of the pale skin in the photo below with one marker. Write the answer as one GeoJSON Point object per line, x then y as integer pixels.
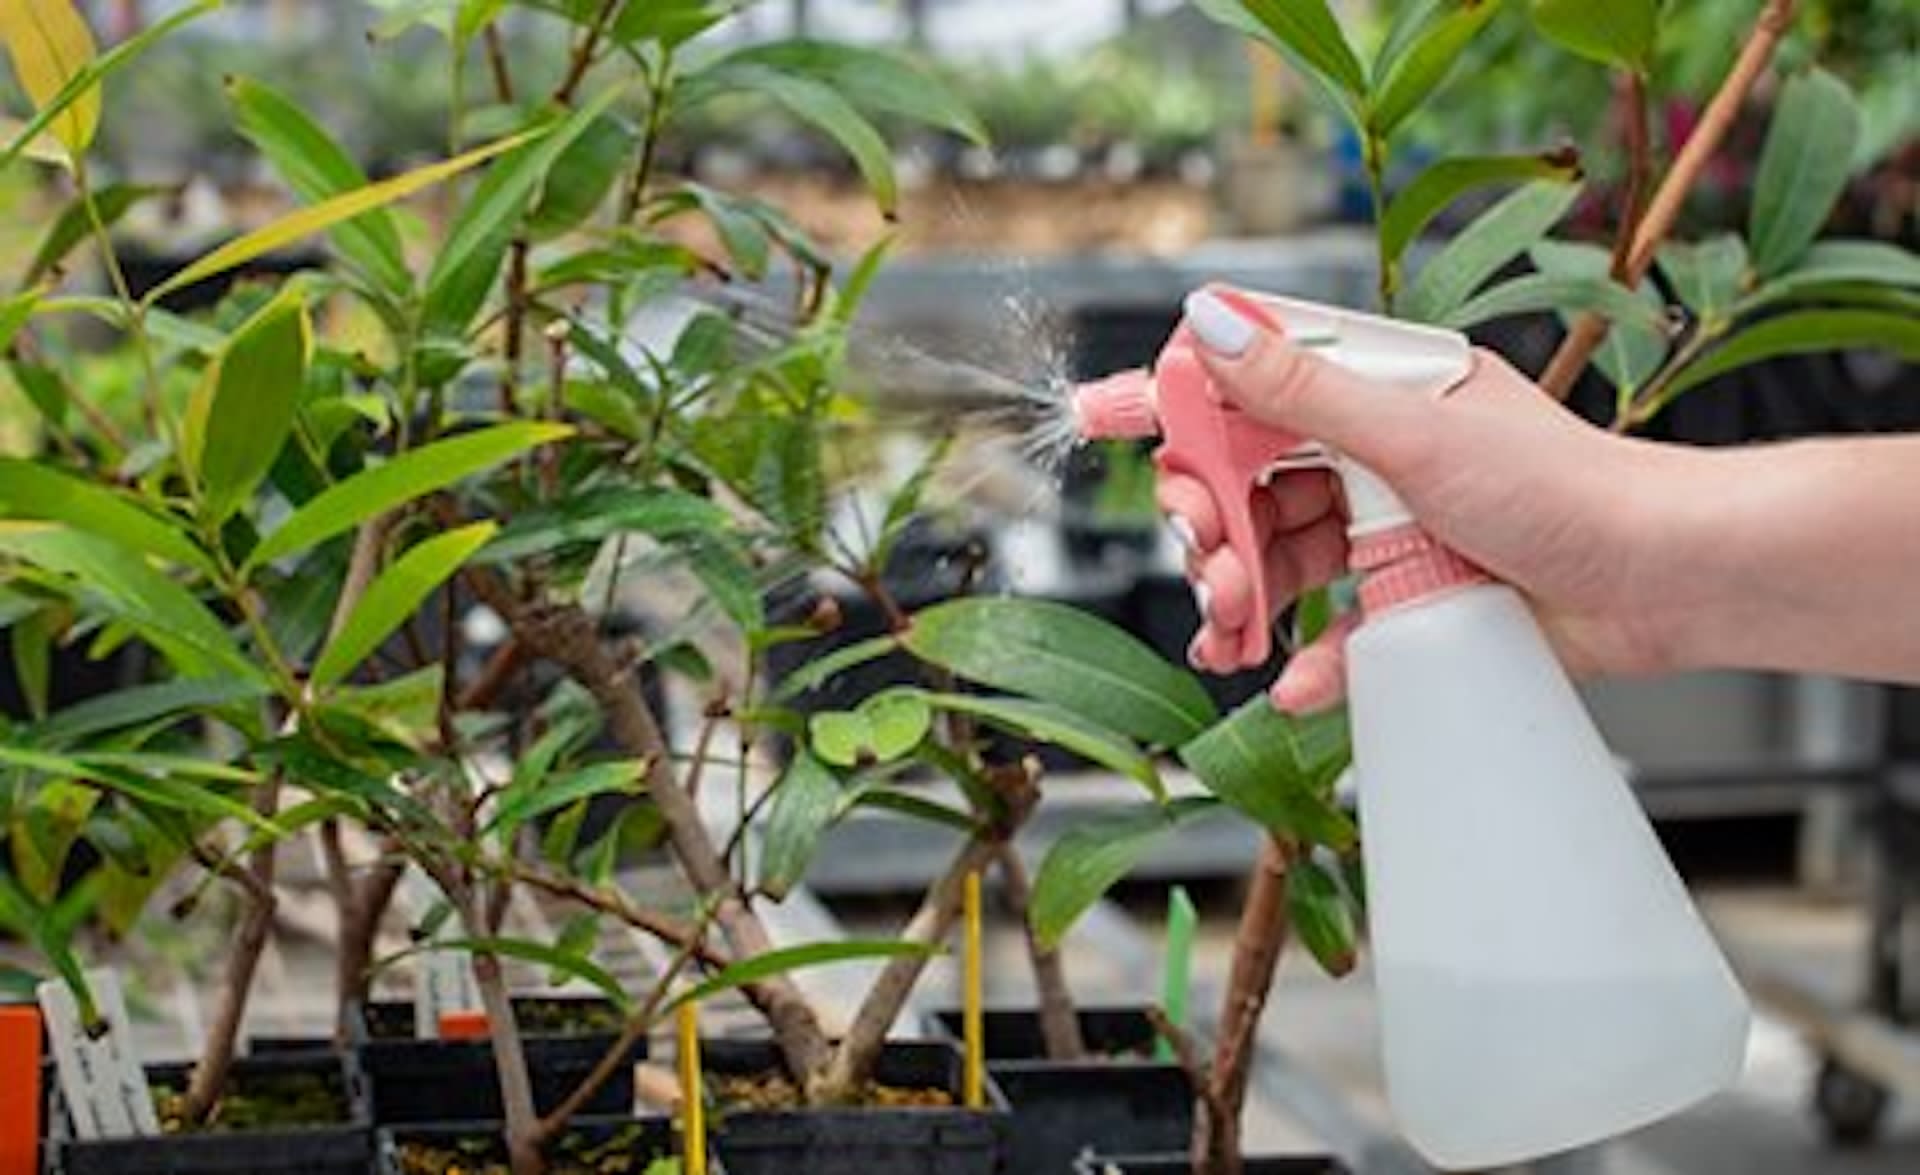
{"type": "Point", "coordinates": [1637, 557]}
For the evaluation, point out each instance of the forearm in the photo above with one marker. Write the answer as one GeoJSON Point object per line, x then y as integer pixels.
{"type": "Point", "coordinates": [1802, 556]}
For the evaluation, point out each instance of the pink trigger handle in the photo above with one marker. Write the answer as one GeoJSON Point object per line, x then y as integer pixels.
{"type": "Point", "coordinates": [1216, 444]}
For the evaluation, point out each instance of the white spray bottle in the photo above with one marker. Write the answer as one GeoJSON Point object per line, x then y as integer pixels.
{"type": "Point", "coordinates": [1544, 980]}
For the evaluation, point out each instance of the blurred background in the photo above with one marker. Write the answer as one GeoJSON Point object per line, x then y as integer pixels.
{"type": "Point", "coordinates": [1137, 151]}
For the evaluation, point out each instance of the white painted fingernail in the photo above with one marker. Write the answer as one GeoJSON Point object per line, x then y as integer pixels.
{"type": "Point", "coordinates": [1183, 530]}
{"type": "Point", "coordinates": [1217, 325]}
{"type": "Point", "coordinates": [1203, 599]}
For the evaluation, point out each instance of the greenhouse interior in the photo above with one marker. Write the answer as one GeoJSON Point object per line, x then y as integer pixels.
{"type": "Point", "coordinates": [955, 587]}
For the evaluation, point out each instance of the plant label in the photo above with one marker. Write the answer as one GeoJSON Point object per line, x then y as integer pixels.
{"type": "Point", "coordinates": [447, 986]}
{"type": "Point", "coordinates": [100, 1076]}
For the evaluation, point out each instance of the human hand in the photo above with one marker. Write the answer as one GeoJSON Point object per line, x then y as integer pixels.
{"type": "Point", "coordinates": [1494, 469]}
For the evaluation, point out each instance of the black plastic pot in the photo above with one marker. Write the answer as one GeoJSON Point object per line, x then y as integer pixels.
{"type": "Point", "coordinates": [1181, 1164]}
{"type": "Point", "coordinates": [862, 1141]}
{"type": "Point", "coordinates": [638, 1140]}
{"type": "Point", "coordinates": [1118, 1100]}
{"type": "Point", "coordinates": [342, 1148]}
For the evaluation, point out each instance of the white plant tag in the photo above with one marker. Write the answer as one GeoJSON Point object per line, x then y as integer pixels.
{"type": "Point", "coordinates": [100, 1076]}
{"type": "Point", "coordinates": [444, 980]}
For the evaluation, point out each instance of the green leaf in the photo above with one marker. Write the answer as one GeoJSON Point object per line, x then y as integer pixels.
{"type": "Point", "coordinates": [871, 79]}
{"type": "Point", "coordinates": [885, 728]}
{"type": "Point", "coordinates": [75, 225]}
{"type": "Point", "coordinates": [737, 221]}
{"type": "Point", "coordinates": [321, 217]}
{"type": "Point", "coordinates": [1305, 32]}
{"type": "Point", "coordinates": [904, 506]}
{"type": "Point", "coordinates": [1278, 769]}
{"type": "Point", "coordinates": [1619, 34]}
{"type": "Point", "coordinates": [722, 567]}
{"type": "Point", "coordinates": [469, 259]}
{"type": "Point", "coordinates": [820, 670]}
{"type": "Point", "coordinates": [805, 801]}
{"type": "Point", "coordinates": [517, 805]}
{"type": "Point", "coordinates": [912, 805]}
{"type": "Point", "coordinates": [396, 595]}
{"type": "Point", "coordinates": [123, 585]}
{"type": "Point", "coordinates": [1426, 61]}
{"type": "Point", "coordinates": [49, 44]}
{"type": "Point", "coordinates": [1485, 247]}
{"type": "Point", "coordinates": [15, 312]}
{"type": "Point", "coordinates": [840, 737]}
{"type": "Point", "coordinates": [571, 964]}
{"type": "Point", "coordinates": [670, 23]}
{"type": "Point", "coordinates": [29, 489]}
{"type": "Point", "coordinates": [581, 177]}
{"type": "Point", "coordinates": [1092, 858]}
{"type": "Point", "coordinates": [1803, 168]}
{"type": "Point", "coordinates": [788, 959]}
{"type": "Point", "coordinates": [376, 490]}
{"type": "Point", "coordinates": [1802, 333]}
{"type": "Point", "coordinates": [84, 85]}
{"type": "Point", "coordinates": [160, 781]}
{"type": "Point", "coordinates": [593, 516]}
{"type": "Point", "coordinates": [1538, 292]}
{"type": "Point", "coordinates": [318, 169]}
{"type": "Point", "coordinates": [1441, 184]}
{"type": "Point", "coordinates": [1832, 263]}
{"type": "Point", "coordinates": [32, 642]}
{"type": "Point", "coordinates": [1061, 728]}
{"type": "Point", "coordinates": [140, 704]}
{"type": "Point", "coordinates": [244, 409]}
{"type": "Point", "coordinates": [1631, 354]}
{"type": "Point", "coordinates": [815, 103]}
{"type": "Point", "coordinates": [1319, 913]}
{"type": "Point", "coordinates": [1058, 654]}
{"type": "Point", "coordinates": [1706, 277]}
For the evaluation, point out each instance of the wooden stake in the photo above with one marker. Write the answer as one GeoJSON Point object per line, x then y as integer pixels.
{"type": "Point", "coordinates": [975, 1015]}
{"type": "Point", "coordinates": [693, 1105]}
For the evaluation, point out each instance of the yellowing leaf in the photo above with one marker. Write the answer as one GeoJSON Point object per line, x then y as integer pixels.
{"type": "Point", "coordinates": [41, 148]}
{"type": "Point", "coordinates": [50, 43]}
{"type": "Point", "coordinates": [322, 216]}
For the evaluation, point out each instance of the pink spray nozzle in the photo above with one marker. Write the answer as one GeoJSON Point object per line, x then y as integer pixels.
{"type": "Point", "coordinates": [1118, 408]}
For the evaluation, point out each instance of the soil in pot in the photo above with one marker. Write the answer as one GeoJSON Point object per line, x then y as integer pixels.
{"type": "Point", "coordinates": [287, 1113]}
{"type": "Point", "coordinates": [1117, 1099]}
{"type": "Point", "coordinates": [590, 1146]}
{"type": "Point", "coordinates": [913, 1123]}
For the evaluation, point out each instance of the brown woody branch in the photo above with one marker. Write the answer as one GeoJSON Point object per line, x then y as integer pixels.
{"type": "Point", "coordinates": [1059, 1023]}
{"type": "Point", "coordinates": [1576, 351]}
{"type": "Point", "coordinates": [1256, 957]}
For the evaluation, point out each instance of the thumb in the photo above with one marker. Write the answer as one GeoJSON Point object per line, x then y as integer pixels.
{"type": "Point", "coordinates": [1288, 386]}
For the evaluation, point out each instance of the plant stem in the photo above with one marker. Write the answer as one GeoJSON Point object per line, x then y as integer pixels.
{"type": "Point", "coordinates": [360, 919]}
{"type": "Point", "coordinates": [1256, 958]}
{"type": "Point", "coordinates": [509, 1051]}
{"type": "Point", "coordinates": [1059, 1019]}
{"type": "Point", "coordinates": [854, 1060]}
{"type": "Point", "coordinates": [582, 58]}
{"type": "Point", "coordinates": [1590, 330]}
{"type": "Point", "coordinates": [1374, 159]}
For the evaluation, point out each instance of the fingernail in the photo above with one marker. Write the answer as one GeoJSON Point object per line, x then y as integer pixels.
{"type": "Point", "coordinates": [1195, 651]}
{"type": "Point", "coordinates": [1183, 530]}
{"type": "Point", "coordinates": [1218, 326]}
{"type": "Point", "coordinates": [1203, 599]}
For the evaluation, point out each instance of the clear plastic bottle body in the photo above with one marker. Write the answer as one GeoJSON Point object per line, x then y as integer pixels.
{"type": "Point", "coordinates": [1544, 981]}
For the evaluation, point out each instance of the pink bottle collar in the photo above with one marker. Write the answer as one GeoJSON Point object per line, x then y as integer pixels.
{"type": "Point", "coordinates": [1405, 565]}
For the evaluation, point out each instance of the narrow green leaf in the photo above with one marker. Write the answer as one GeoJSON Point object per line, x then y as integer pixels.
{"type": "Point", "coordinates": [376, 490]}
{"type": "Point", "coordinates": [75, 224]}
{"type": "Point", "coordinates": [1619, 34]}
{"type": "Point", "coordinates": [581, 176]}
{"type": "Point", "coordinates": [321, 217]}
{"type": "Point", "coordinates": [1057, 654]}
{"type": "Point", "coordinates": [160, 781]}
{"type": "Point", "coordinates": [820, 670]}
{"type": "Point", "coordinates": [1707, 276]}
{"type": "Point", "coordinates": [32, 642]}
{"type": "Point", "coordinates": [1427, 60]}
{"type": "Point", "coordinates": [805, 801]}
{"type": "Point", "coordinates": [466, 264]}
{"type": "Point", "coordinates": [517, 805]}
{"type": "Point", "coordinates": [16, 311]}
{"type": "Point", "coordinates": [123, 585]}
{"type": "Point", "coordinates": [1803, 168]}
{"type": "Point", "coordinates": [317, 169]}
{"type": "Point", "coordinates": [904, 505]}
{"type": "Point", "coordinates": [576, 966]}
{"type": "Point", "coordinates": [1093, 857]}
{"type": "Point", "coordinates": [1539, 292]}
{"type": "Point", "coordinates": [49, 45]}
{"type": "Point", "coordinates": [817, 104]}
{"type": "Point", "coordinates": [244, 410]}
{"type": "Point", "coordinates": [790, 959]}
{"type": "Point", "coordinates": [1305, 32]}
{"type": "Point", "coordinates": [911, 805]}
{"type": "Point", "coordinates": [396, 595]}
{"type": "Point", "coordinates": [589, 518]}
{"type": "Point", "coordinates": [1319, 913]}
{"type": "Point", "coordinates": [1840, 262]}
{"type": "Point", "coordinates": [1061, 728]}
{"type": "Point", "coordinates": [1278, 769]}
{"type": "Point", "coordinates": [31, 490]}
{"type": "Point", "coordinates": [721, 565]}
{"type": "Point", "coordinates": [1802, 333]}
{"type": "Point", "coordinates": [871, 79]}
{"type": "Point", "coordinates": [1410, 20]}
{"type": "Point", "coordinates": [1631, 353]}
{"type": "Point", "coordinates": [1484, 247]}
{"type": "Point", "coordinates": [141, 704]}
{"type": "Point", "coordinates": [1447, 181]}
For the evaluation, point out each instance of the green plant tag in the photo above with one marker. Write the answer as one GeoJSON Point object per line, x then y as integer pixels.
{"type": "Point", "coordinates": [1177, 984]}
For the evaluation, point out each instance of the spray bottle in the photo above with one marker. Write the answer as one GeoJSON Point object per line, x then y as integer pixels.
{"type": "Point", "coordinates": [1544, 981]}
